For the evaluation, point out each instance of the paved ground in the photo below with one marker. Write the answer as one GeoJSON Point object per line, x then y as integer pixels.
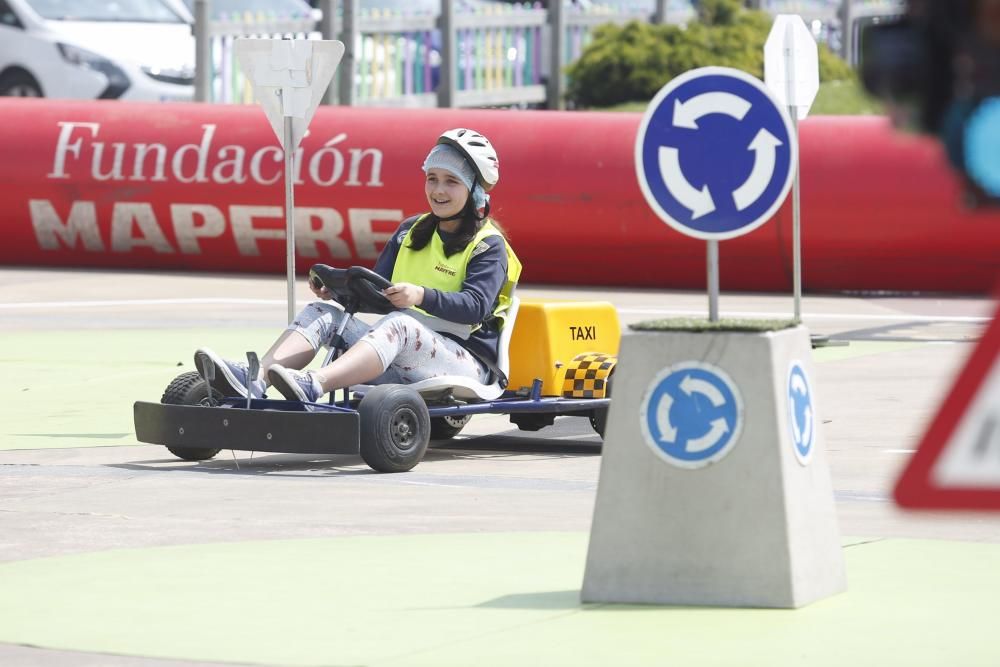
{"type": "Point", "coordinates": [112, 553]}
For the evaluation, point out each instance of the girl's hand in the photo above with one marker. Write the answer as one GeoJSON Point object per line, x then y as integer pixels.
{"type": "Point", "coordinates": [322, 292]}
{"type": "Point", "coordinates": [404, 295]}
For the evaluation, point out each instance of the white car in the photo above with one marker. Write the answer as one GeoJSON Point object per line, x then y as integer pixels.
{"type": "Point", "coordinates": [96, 49]}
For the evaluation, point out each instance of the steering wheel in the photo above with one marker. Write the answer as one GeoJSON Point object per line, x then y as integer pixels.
{"type": "Point", "coordinates": [355, 288]}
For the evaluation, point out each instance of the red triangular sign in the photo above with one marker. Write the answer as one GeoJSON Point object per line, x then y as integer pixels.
{"type": "Point", "coordinates": [957, 464]}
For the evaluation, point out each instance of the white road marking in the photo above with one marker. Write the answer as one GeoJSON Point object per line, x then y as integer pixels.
{"type": "Point", "coordinates": [194, 301]}
{"type": "Point", "coordinates": [451, 486]}
{"type": "Point", "coordinates": [900, 451]}
{"type": "Point", "coordinates": [900, 317]}
{"type": "Point", "coordinates": [142, 302]}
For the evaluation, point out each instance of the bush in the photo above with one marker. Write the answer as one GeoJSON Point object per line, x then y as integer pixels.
{"type": "Point", "coordinates": [633, 61]}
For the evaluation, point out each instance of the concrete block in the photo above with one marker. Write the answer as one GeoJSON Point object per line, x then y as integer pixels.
{"type": "Point", "coordinates": [714, 486]}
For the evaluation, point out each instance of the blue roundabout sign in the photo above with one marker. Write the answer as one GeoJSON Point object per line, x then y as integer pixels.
{"type": "Point", "coordinates": [691, 414]}
{"type": "Point", "coordinates": [715, 154]}
{"type": "Point", "coordinates": [801, 415]}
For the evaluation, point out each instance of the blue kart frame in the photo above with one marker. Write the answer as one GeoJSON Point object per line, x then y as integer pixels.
{"type": "Point", "coordinates": [390, 426]}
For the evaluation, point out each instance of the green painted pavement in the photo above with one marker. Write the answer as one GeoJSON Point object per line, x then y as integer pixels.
{"type": "Point", "coordinates": [485, 599]}
{"type": "Point", "coordinates": [76, 388]}
{"type": "Point", "coordinates": [863, 348]}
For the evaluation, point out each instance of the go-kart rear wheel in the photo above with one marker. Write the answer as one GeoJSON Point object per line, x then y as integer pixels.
{"type": "Point", "coordinates": [445, 428]}
{"type": "Point", "coordinates": [395, 428]}
{"type": "Point", "coordinates": [190, 389]}
{"type": "Point", "coordinates": [599, 418]}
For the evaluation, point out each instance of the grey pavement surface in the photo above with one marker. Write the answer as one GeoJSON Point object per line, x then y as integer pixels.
{"type": "Point", "coordinates": [874, 406]}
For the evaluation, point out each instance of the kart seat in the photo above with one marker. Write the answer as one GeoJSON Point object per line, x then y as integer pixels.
{"type": "Point", "coordinates": [462, 387]}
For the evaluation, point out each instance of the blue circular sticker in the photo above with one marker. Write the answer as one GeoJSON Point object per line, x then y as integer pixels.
{"type": "Point", "coordinates": [801, 416]}
{"type": "Point", "coordinates": [982, 146]}
{"type": "Point", "coordinates": [715, 154]}
{"type": "Point", "coordinates": [691, 414]}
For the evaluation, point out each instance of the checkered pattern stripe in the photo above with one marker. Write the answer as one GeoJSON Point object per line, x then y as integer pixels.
{"type": "Point", "coordinates": [587, 375]}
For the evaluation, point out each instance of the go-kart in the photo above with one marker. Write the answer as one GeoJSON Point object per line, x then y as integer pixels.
{"type": "Point", "coordinates": [390, 425]}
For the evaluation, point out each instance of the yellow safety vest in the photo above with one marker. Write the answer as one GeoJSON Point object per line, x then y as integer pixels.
{"type": "Point", "coordinates": [430, 267]}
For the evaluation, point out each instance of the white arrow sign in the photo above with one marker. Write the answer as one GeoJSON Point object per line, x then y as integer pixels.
{"type": "Point", "coordinates": [715, 433]}
{"type": "Point", "coordinates": [763, 144]}
{"type": "Point", "coordinates": [803, 434]}
{"type": "Point", "coordinates": [698, 201]}
{"type": "Point", "coordinates": [690, 385]}
{"type": "Point", "coordinates": [686, 114]}
{"type": "Point", "coordinates": [668, 432]}
{"type": "Point", "coordinates": [289, 79]}
{"type": "Point", "coordinates": [791, 63]}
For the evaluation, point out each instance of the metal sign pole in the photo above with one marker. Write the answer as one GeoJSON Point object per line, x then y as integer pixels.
{"type": "Point", "coordinates": [796, 229]}
{"type": "Point", "coordinates": [290, 78]}
{"type": "Point", "coordinates": [290, 215]}
{"type": "Point", "coordinates": [713, 281]}
{"type": "Point", "coordinates": [690, 205]}
{"type": "Point", "coordinates": [791, 72]}
{"type": "Point", "coordinates": [202, 51]}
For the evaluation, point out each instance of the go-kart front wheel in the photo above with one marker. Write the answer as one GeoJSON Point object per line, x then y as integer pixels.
{"type": "Point", "coordinates": [190, 389]}
{"type": "Point", "coordinates": [395, 428]}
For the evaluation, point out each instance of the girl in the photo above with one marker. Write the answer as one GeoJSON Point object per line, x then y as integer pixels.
{"type": "Point", "coordinates": [452, 263]}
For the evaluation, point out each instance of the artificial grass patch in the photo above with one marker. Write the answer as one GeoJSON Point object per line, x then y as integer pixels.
{"type": "Point", "coordinates": [700, 325]}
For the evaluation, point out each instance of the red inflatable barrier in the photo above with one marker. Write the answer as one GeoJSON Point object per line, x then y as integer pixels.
{"type": "Point", "coordinates": [200, 187]}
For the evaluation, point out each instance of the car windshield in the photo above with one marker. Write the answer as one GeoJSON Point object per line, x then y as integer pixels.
{"type": "Point", "coordinates": [278, 7]}
{"type": "Point", "coordinates": [301, 7]}
{"type": "Point", "coordinates": [139, 11]}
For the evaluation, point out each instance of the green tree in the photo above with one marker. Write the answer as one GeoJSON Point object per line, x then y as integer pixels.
{"type": "Point", "coordinates": [631, 62]}
{"type": "Point", "coordinates": [718, 12]}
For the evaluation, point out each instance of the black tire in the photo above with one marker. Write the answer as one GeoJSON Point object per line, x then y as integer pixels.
{"type": "Point", "coordinates": [395, 428]}
{"type": "Point", "coordinates": [599, 418]}
{"type": "Point", "coordinates": [190, 389]}
{"type": "Point", "coordinates": [529, 421]}
{"type": "Point", "coordinates": [446, 428]}
{"type": "Point", "coordinates": [19, 84]}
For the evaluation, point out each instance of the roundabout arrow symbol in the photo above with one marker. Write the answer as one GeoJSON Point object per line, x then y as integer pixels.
{"type": "Point", "coordinates": [668, 432]}
{"type": "Point", "coordinates": [715, 433]}
{"type": "Point", "coordinates": [803, 435]}
{"type": "Point", "coordinates": [799, 385]}
{"type": "Point", "coordinates": [686, 114]}
{"type": "Point", "coordinates": [764, 145]}
{"type": "Point", "coordinates": [699, 202]}
{"type": "Point", "coordinates": [690, 384]}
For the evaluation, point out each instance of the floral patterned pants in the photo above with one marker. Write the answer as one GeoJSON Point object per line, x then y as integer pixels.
{"type": "Point", "coordinates": [409, 351]}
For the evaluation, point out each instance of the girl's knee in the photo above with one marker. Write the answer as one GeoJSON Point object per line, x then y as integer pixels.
{"type": "Point", "coordinates": [315, 322]}
{"type": "Point", "coordinates": [393, 324]}
{"type": "Point", "coordinates": [311, 313]}
{"type": "Point", "coordinates": [395, 318]}
{"type": "Point", "coordinates": [394, 333]}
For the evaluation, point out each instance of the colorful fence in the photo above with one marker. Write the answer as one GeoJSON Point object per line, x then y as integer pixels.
{"type": "Point", "coordinates": [228, 83]}
{"type": "Point", "coordinates": [502, 50]}
{"type": "Point", "coordinates": [501, 56]}
{"type": "Point", "coordinates": [396, 56]}
{"type": "Point", "coordinates": [499, 47]}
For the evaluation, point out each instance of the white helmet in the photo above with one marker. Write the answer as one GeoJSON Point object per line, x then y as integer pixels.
{"type": "Point", "coordinates": [478, 150]}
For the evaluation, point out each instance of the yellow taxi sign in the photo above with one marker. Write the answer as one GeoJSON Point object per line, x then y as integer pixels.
{"type": "Point", "coordinates": [550, 335]}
